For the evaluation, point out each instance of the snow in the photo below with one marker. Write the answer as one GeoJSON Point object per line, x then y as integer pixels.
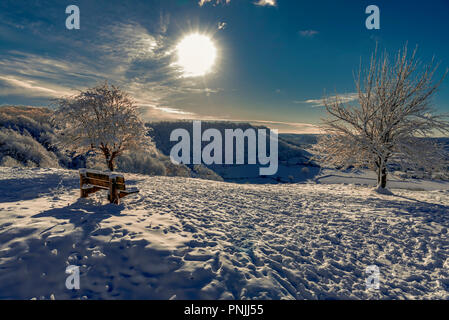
{"type": "Point", "coordinates": [184, 238]}
{"type": "Point", "coordinates": [369, 178]}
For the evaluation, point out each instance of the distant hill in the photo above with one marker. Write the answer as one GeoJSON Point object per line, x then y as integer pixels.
{"type": "Point", "coordinates": [300, 140]}
{"type": "Point", "coordinates": [295, 163]}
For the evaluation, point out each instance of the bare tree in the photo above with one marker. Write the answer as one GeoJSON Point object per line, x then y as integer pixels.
{"type": "Point", "coordinates": [103, 118]}
{"type": "Point", "coordinates": [393, 114]}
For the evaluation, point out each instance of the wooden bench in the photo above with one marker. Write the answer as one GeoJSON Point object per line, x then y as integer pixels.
{"type": "Point", "coordinates": [92, 181]}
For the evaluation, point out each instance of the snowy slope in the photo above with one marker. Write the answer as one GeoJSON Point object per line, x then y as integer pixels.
{"type": "Point", "coordinates": [184, 238]}
{"type": "Point", "coordinates": [369, 178]}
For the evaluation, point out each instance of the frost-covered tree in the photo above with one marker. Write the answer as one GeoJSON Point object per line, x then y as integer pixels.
{"type": "Point", "coordinates": [392, 115]}
{"type": "Point", "coordinates": [103, 118]}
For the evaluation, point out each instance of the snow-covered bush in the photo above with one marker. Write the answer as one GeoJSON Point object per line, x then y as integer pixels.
{"type": "Point", "coordinates": [202, 172]}
{"type": "Point", "coordinates": [25, 150]}
{"type": "Point", "coordinates": [141, 162]}
{"type": "Point", "coordinates": [7, 161]}
{"type": "Point", "coordinates": [34, 122]}
{"type": "Point", "coordinates": [440, 176]}
{"type": "Point", "coordinates": [31, 119]}
{"type": "Point", "coordinates": [176, 170]}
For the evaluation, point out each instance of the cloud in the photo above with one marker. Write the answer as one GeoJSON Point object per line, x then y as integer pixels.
{"type": "Point", "coordinates": [281, 126]}
{"type": "Point", "coordinates": [43, 67]}
{"type": "Point", "coordinates": [20, 86]}
{"type": "Point", "coordinates": [264, 3]}
{"type": "Point", "coordinates": [308, 33]}
{"type": "Point", "coordinates": [290, 127]}
{"type": "Point", "coordinates": [203, 2]}
{"type": "Point", "coordinates": [127, 42]}
{"type": "Point", "coordinates": [31, 75]}
{"type": "Point", "coordinates": [173, 111]}
{"type": "Point", "coordinates": [154, 112]}
{"type": "Point", "coordinates": [222, 25]}
{"type": "Point", "coordinates": [343, 98]}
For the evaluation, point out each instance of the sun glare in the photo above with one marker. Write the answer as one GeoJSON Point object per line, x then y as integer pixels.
{"type": "Point", "coordinates": [196, 55]}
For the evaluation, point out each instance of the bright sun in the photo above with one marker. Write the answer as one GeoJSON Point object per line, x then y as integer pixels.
{"type": "Point", "coordinates": [196, 55]}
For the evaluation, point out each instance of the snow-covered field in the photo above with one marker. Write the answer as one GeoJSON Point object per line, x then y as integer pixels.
{"type": "Point", "coordinates": [183, 238]}
{"type": "Point", "coordinates": [368, 178]}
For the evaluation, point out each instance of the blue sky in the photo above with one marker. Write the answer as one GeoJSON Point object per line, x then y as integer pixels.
{"type": "Point", "coordinates": [275, 58]}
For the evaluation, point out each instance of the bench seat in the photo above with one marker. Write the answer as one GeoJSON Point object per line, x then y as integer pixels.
{"type": "Point", "coordinates": [124, 193]}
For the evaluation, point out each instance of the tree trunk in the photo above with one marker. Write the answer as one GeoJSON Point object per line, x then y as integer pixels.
{"type": "Point", "coordinates": [382, 177]}
{"type": "Point", "coordinates": [110, 164]}
{"type": "Point", "coordinates": [109, 159]}
{"type": "Point", "coordinates": [381, 172]}
{"type": "Point", "coordinates": [383, 181]}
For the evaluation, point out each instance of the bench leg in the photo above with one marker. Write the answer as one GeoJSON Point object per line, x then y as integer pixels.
{"type": "Point", "coordinates": [113, 192]}
{"type": "Point", "coordinates": [83, 193]}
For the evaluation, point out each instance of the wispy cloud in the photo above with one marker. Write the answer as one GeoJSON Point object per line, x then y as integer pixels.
{"type": "Point", "coordinates": [127, 42]}
{"type": "Point", "coordinates": [19, 86]}
{"type": "Point", "coordinates": [154, 112]}
{"type": "Point", "coordinates": [308, 33]}
{"type": "Point", "coordinates": [343, 98]}
{"type": "Point", "coordinates": [215, 2]}
{"type": "Point", "coordinates": [290, 127]}
{"type": "Point", "coordinates": [30, 75]}
{"type": "Point", "coordinates": [265, 3]}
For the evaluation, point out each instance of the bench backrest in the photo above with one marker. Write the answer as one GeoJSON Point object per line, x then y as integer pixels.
{"type": "Point", "coordinates": [96, 178]}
